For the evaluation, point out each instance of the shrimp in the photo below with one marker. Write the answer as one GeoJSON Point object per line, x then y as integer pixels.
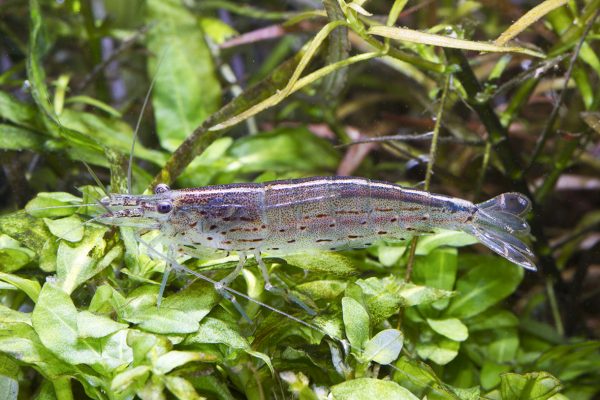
{"type": "Point", "coordinates": [325, 213]}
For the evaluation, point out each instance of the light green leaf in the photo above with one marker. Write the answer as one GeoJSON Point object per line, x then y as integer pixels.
{"type": "Point", "coordinates": [437, 269]}
{"type": "Point", "coordinates": [493, 319]}
{"type": "Point", "coordinates": [129, 377]}
{"type": "Point", "coordinates": [409, 35]}
{"type": "Point", "coordinates": [504, 346]}
{"type": "Point", "coordinates": [55, 321]}
{"type": "Point", "coordinates": [326, 261]}
{"type": "Point", "coordinates": [196, 300]}
{"type": "Point", "coordinates": [427, 244]}
{"type": "Point", "coordinates": [484, 286]}
{"type": "Point", "coordinates": [30, 287]}
{"type": "Point", "coordinates": [96, 326]}
{"type": "Point", "coordinates": [173, 359]}
{"type": "Point", "coordinates": [53, 204]}
{"type": "Point", "coordinates": [214, 330]}
{"type": "Point", "coordinates": [384, 347]}
{"type": "Point", "coordinates": [9, 388]}
{"type": "Point", "coordinates": [356, 322]}
{"type": "Point", "coordinates": [13, 255]}
{"type": "Point", "coordinates": [163, 320]}
{"type": "Point", "coordinates": [451, 328]}
{"type": "Point", "coordinates": [181, 388]}
{"type": "Point", "coordinates": [68, 228]}
{"type": "Point", "coordinates": [534, 385]}
{"type": "Point", "coordinates": [185, 71]}
{"type": "Point", "coordinates": [369, 388]}
{"type": "Point", "coordinates": [116, 353]}
{"type": "Point", "coordinates": [491, 373]}
{"type": "Point", "coordinates": [441, 351]}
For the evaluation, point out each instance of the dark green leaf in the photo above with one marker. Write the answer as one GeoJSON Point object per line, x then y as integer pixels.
{"type": "Point", "coordinates": [531, 386]}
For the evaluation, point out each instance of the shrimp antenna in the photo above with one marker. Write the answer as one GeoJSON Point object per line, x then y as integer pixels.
{"type": "Point", "coordinates": [139, 120]}
{"type": "Point", "coordinates": [96, 179]}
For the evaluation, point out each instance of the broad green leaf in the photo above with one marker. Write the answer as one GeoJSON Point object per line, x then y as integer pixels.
{"type": "Point", "coordinates": [384, 347]}
{"type": "Point", "coordinates": [29, 286]}
{"type": "Point", "coordinates": [493, 319]}
{"type": "Point", "coordinates": [451, 328]}
{"type": "Point", "coordinates": [9, 316]}
{"type": "Point", "coordinates": [75, 265]}
{"type": "Point", "coordinates": [441, 351]}
{"type": "Point", "coordinates": [184, 68]}
{"type": "Point", "coordinates": [409, 35]}
{"type": "Point", "coordinates": [214, 330]}
{"type": "Point", "coordinates": [427, 244]}
{"type": "Point", "coordinates": [15, 138]}
{"type": "Point", "coordinates": [356, 322]}
{"type": "Point", "coordinates": [322, 289]}
{"type": "Point", "coordinates": [491, 373]}
{"type": "Point", "coordinates": [163, 320]}
{"type": "Point", "coordinates": [437, 269]}
{"type": "Point", "coordinates": [369, 388]}
{"type": "Point", "coordinates": [129, 377]}
{"type": "Point", "coordinates": [390, 254]}
{"type": "Point", "coordinates": [484, 286]}
{"type": "Point", "coordinates": [504, 346]}
{"type": "Point", "coordinates": [182, 388]}
{"type": "Point", "coordinates": [9, 387]}
{"type": "Point", "coordinates": [53, 204]}
{"type": "Point", "coordinates": [28, 231]}
{"type": "Point", "coordinates": [174, 359]}
{"type": "Point", "coordinates": [68, 228]}
{"type": "Point", "coordinates": [534, 386]}
{"type": "Point", "coordinates": [96, 326]}
{"type": "Point", "coordinates": [13, 256]}
{"type": "Point", "coordinates": [116, 353]}
{"type": "Point", "coordinates": [196, 300]}
{"type": "Point", "coordinates": [326, 262]}
{"type": "Point", "coordinates": [55, 321]}
{"type": "Point", "coordinates": [419, 378]}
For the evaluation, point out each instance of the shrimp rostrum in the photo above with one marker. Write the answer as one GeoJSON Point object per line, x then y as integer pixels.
{"type": "Point", "coordinates": [326, 213]}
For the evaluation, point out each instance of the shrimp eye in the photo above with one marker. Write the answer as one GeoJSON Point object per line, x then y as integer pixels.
{"type": "Point", "coordinates": [164, 207]}
{"type": "Point", "coordinates": [161, 188]}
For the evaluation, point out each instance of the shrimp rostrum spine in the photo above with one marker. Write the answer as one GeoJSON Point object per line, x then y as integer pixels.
{"type": "Point", "coordinates": [327, 213]}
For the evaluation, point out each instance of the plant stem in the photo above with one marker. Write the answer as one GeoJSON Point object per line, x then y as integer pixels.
{"type": "Point", "coordinates": [62, 388]}
{"type": "Point", "coordinates": [430, 164]}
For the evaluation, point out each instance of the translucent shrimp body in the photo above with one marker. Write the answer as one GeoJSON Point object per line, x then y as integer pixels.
{"type": "Point", "coordinates": [331, 213]}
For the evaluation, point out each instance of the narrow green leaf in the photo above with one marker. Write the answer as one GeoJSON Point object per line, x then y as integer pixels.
{"type": "Point", "coordinates": [409, 35]}
{"type": "Point", "coordinates": [384, 347]}
{"type": "Point", "coordinates": [527, 19]}
{"type": "Point", "coordinates": [30, 287]}
{"type": "Point", "coordinates": [181, 388]}
{"type": "Point", "coordinates": [356, 322]}
{"type": "Point", "coordinates": [444, 238]}
{"type": "Point", "coordinates": [369, 388]}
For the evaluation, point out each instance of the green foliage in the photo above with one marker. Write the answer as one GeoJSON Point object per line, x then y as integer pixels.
{"type": "Point", "coordinates": [78, 314]}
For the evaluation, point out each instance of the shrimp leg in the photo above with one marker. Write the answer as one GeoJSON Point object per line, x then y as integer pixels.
{"type": "Point", "coordinates": [220, 286]}
{"type": "Point", "coordinates": [277, 290]}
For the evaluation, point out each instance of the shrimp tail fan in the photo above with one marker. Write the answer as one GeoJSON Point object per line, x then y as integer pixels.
{"type": "Point", "coordinates": [499, 222]}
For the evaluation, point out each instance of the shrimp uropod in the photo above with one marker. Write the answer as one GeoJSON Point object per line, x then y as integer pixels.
{"type": "Point", "coordinates": [327, 213]}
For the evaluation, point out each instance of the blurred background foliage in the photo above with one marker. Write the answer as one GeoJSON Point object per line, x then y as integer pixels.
{"type": "Point", "coordinates": [262, 90]}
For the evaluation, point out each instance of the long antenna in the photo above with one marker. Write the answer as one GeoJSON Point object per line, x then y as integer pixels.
{"type": "Point", "coordinates": [139, 120]}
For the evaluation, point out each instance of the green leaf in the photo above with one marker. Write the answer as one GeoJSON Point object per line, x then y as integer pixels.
{"type": "Point", "coordinates": [129, 377]}
{"type": "Point", "coordinates": [427, 244]}
{"type": "Point", "coordinates": [437, 269]}
{"type": "Point", "coordinates": [491, 373]}
{"type": "Point", "coordinates": [29, 286]}
{"type": "Point", "coordinates": [96, 326]}
{"type": "Point", "coordinates": [326, 262]}
{"type": "Point", "coordinates": [13, 256]}
{"type": "Point", "coordinates": [484, 286]}
{"type": "Point", "coordinates": [15, 138]}
{"type": "Point", "coordinates": [55, 321]}
{"type": "Point", "coordinates": [196, 300]}
{"type": "Point", "coordinates": [75, 265]}
{"type": "Point", "coordinates": [384, 347]}
{"type": "Point", "coordinates": [9, 388]}
{"type": "Point", "coordinates": [441, 351]}
{"type": "Point", "coordinates": [451, 328]}
{"type": "Point", "coordinates": [369, 388]}
{"type": "Point", "coordinates": [163, 320]}
{"type": "Point", "coordinates": [174, 359]}
{"type": "Point", "coordinates": [534, 386]}
{"type": "Point", "coordinates": [12, 110]}
{"type": "Point", "coordinates": [68, 228]}
{"type": "Point", "coordinates": [53, 204]}
{"type": "Point", "coordinates": [504, 346]}
{"type": "Point", "coordinates": [186, 69]}
{"type": "Point", "coordinates": [409, 35]}
{"type": "Point", "coordinates": [356, 322]}
{"type": "Point", "coordinates": [214, 330]}
{"type": "Point", "coordinates": [181, 388]}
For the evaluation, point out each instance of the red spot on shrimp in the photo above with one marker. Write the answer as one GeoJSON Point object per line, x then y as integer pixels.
{"type": "Point", "coordinates": [384, 209]}
{"type": "Point", "coordinates": [382, 233]}
{"type": "Point", "coordinates": [323, 240]}
{"type": "Point", "coordinates": [354, 236]}
{"type": "Point", "coordinates": [292, 241]}
{"type": "Point", "coordinates": [394, 219]}
{"type": "Point", "coordinates": [193, 224]}
{"type": "Point", "coordinates": [302, 228]}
